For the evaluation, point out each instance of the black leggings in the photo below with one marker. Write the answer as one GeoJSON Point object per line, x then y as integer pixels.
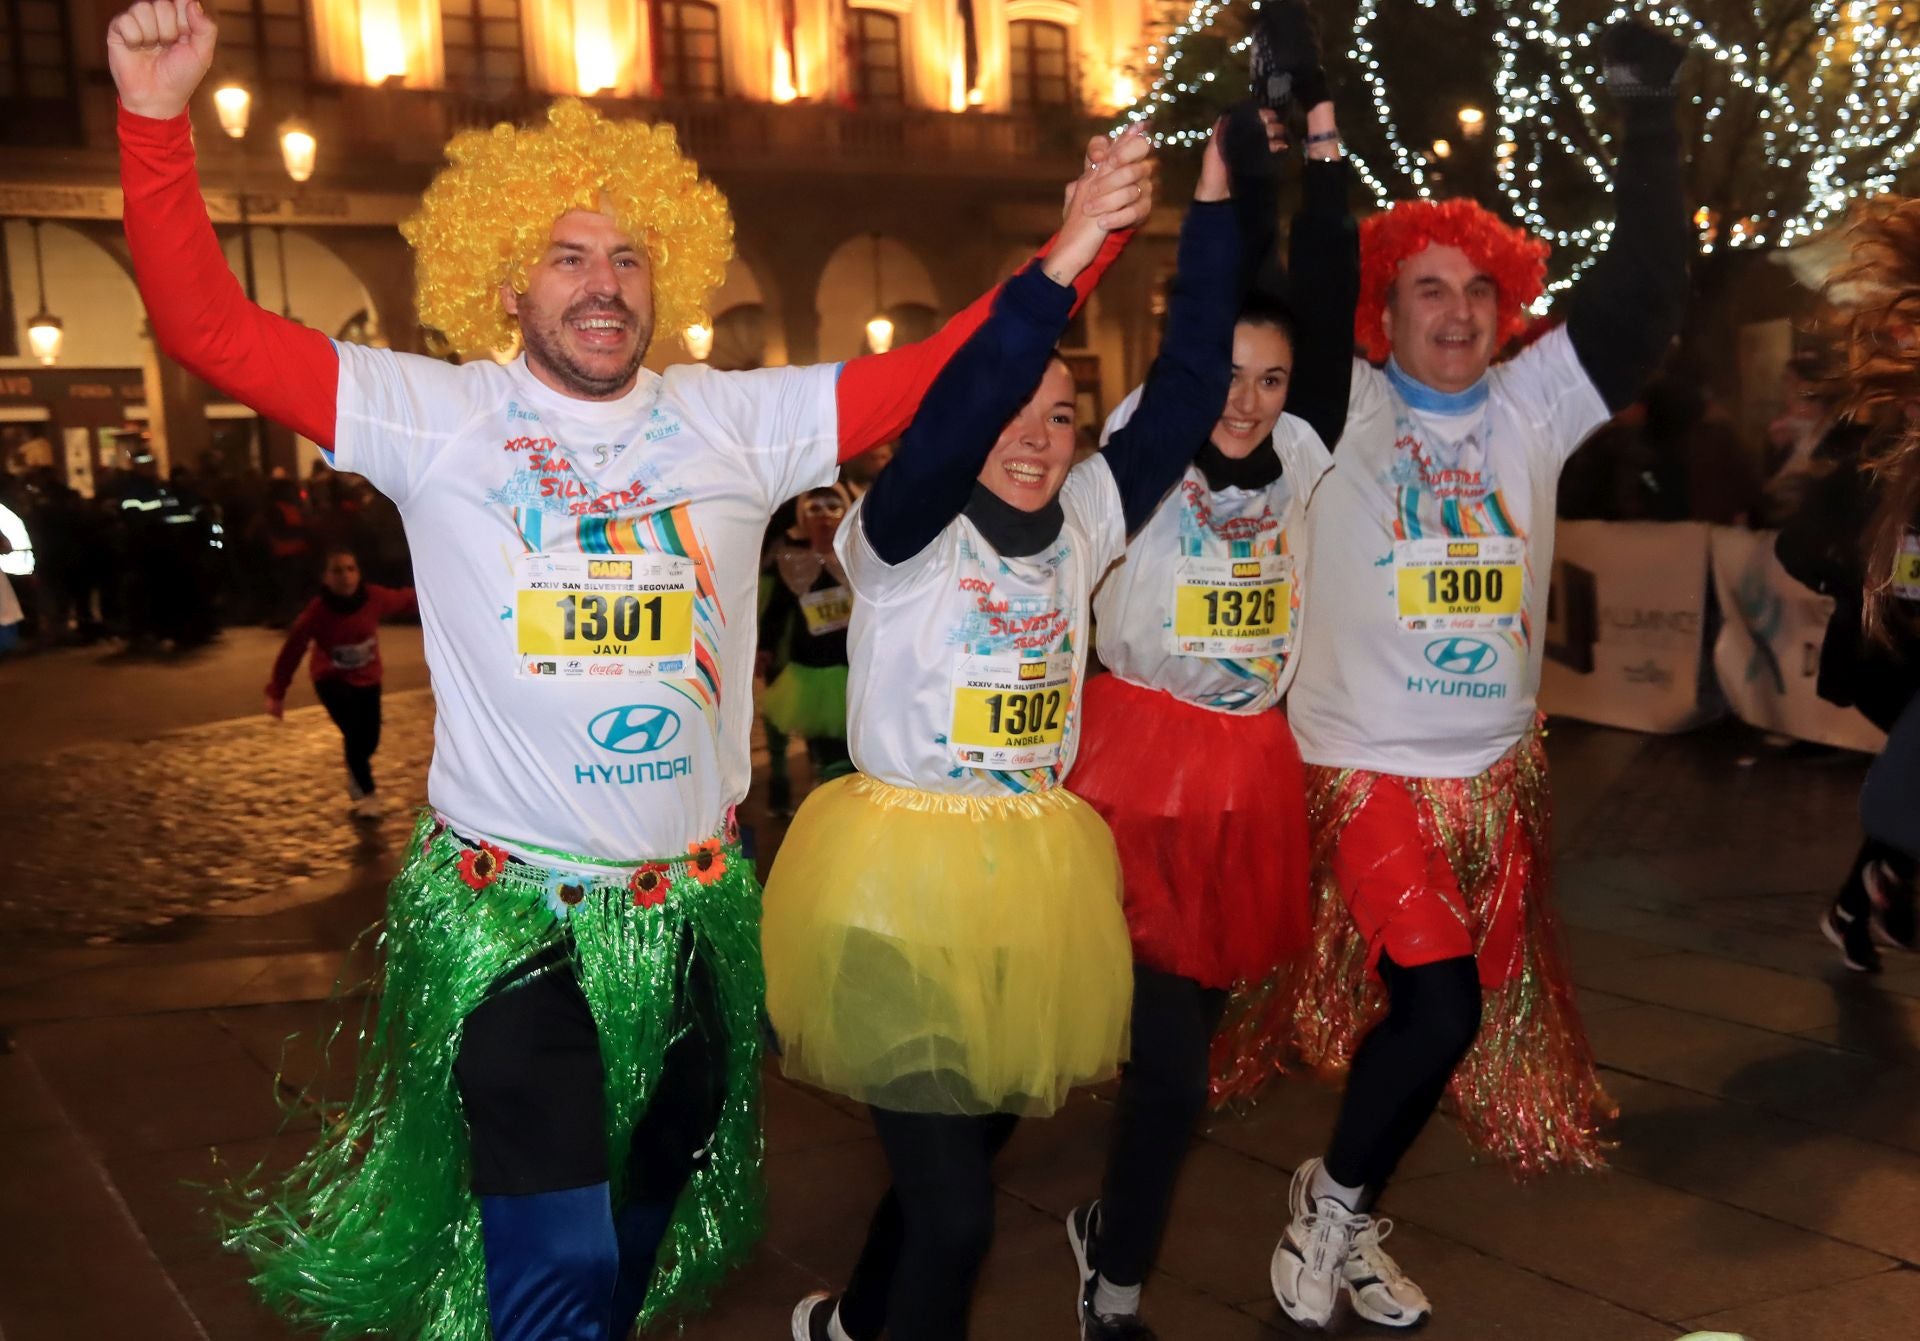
{"type": "Point", "coordinates": [1163, 1092]}
{"type": "Point", "coordinates": [1402, 1066]}
{"type": "Point", "coordinates": [355, 709]}
{"type": "Point", "coordinates": [533, 1090]}
{"type": "Point", "coordinates": [930, 1232]}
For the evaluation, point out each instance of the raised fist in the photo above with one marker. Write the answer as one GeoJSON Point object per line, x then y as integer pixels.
{"type": "Point", "coordinates": [1249, 140]}
{"type": "Point", "coordinates": [1639, 60]}
{"type": "Point", "coordinates": [159, 51]}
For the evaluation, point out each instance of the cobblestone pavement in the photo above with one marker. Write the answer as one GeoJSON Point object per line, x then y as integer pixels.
{"type": "Point", "coordinates": [108, 838]}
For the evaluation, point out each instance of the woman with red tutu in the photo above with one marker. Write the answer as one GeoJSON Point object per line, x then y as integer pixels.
{"type": "Point", "coordinates": [1185, 752]}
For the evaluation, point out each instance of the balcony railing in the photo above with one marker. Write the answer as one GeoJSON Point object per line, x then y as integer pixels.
{"type": "Point", "coordinates": [412, 125]}
{"type": "Point", "coordinates": [392, 138]}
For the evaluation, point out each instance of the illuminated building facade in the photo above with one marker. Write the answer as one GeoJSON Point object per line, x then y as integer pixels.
{"type": "Point", "coordinates": [884, 158]}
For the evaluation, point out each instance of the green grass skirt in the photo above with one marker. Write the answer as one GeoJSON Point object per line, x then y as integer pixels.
{"type": "Point", "coordinates": [375, 1231]}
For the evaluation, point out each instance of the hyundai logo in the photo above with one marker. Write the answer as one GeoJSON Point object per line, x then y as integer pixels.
{"type": "Point", "coordinates": [1462, 656]}
{"type": "Point", "coordinates": [637, 728]}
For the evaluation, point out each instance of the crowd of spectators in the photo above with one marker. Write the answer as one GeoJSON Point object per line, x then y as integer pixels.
{"type": "Point", "coordinates": [168, 561]}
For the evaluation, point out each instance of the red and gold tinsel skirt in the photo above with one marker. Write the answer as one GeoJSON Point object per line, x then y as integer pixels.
{"type": "Point", "coordinates": [1527, 1091]}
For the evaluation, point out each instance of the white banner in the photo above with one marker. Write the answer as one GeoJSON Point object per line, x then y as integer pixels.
{"type": "Point", "coordinates": [1626, 624]}
{"type": "Point", "coordinates": [1768, 653]}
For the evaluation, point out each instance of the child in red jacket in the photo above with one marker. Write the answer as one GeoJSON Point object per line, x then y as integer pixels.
{"type": "Point", "coordinates": [343, 624]}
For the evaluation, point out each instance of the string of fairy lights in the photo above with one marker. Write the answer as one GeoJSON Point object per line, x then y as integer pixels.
{"type": "Point", "coordinates": [1836, 122]}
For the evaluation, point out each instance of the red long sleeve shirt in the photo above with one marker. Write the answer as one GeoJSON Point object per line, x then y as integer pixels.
{"type": "Point", "coordinates": [346, 642]}
{"type": "Point", "coordinates": [290, 373]}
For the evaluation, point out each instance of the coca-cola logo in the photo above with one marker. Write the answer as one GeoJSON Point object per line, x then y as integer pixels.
{"type": "Point", "coordinates": [601, 668]}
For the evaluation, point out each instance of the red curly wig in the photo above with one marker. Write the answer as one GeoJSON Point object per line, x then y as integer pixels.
{"type": "Point", "coordinates": [1516, 261]}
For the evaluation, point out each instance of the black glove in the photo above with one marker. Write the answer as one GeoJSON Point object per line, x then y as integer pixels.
{"type": "Point", "coordinates": [1254, 171]}
{"type": "Point", "coordinates": [1286, 57]}
{"type": "Point", "coordinates": [1639, 60]}
{"type": "Point", "coordinates": [1243, 144]}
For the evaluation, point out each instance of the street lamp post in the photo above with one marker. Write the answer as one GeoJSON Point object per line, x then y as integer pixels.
{"type": "Point", "coordinates": [298, 149]}
{"type": "Point", "coordinates": [234, 104]}
{"type": "Point", "coordinates": [44, 331]}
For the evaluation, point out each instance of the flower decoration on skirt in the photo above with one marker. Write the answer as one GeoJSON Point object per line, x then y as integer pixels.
{"type": "Point", "coordinates": [648, 885]}
{"type": "Point", "coordinates": [482, 864]}
{"type": "Point", "coordinates": [707, 860]}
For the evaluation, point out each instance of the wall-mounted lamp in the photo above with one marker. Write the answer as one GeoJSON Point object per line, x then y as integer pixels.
{"type": "Point", "coordinates": [235, 107]}
{"type": "Point", "coordinates": [44, 331]}
{"type": "Point", "coordinates": [298, 149]}
{"type": "Point", "coordinates": [879, 325]}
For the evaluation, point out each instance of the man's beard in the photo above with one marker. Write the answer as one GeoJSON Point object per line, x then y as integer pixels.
{"type": "Point", "coordinates": [546, 345]}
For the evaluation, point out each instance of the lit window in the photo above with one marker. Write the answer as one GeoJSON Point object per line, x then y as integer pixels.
{"type": "Point", "coordinates": [263, 42]}
{"type": "Point", "coordinates": [686, 46]}
{"type": "Point", "coordinates": [35, 56]}
{"type": "Point", "coordinates": [1038, 64]}
{"type": "Point", "coordinates": [876, 59]}
{"type": "Point", "coordinates": [482, 40]}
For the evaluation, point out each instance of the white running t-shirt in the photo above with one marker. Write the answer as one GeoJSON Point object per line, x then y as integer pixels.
{"type": "Point", "coordinates": [587, 574]}
{"type": "Point", "coordinates": [964, 666]}
{"type": "Point", "coordinates": [1207, 603]}
{"type": "Point", "coordinates": [1432, 540]}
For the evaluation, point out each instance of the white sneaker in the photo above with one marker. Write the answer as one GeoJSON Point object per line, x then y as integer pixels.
{"type": "Point", "coordinates": [813, 1317]}
{"type": "Point", "coordinates": [1376, 1286]}
{"type": "Point", "coordinates": [370, 806]}
{"type": "Point", "coordinates": [1310, 1261]}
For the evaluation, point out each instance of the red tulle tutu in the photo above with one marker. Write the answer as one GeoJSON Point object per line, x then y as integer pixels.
{"type": "Point", "coordinates": [1209, 813]}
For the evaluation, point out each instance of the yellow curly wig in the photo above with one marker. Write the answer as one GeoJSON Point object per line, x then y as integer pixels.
{"type": "Point", "coordinates": [487, 217]}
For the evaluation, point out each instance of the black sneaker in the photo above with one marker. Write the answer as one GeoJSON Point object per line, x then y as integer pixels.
{"type": "Point", "coordinates": [1892, 903]}
{"type": "Point", "coordinates": [1854, 937]}
{"type": "Point", "coordinates": [1082, 1227]}
{"type": "Point", "coordinates": [812, 1317]}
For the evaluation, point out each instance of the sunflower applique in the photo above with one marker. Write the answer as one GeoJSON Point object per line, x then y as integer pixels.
{"type": "Point", "coordinates": [482, 864]}
{"type": "Point", "coordinates": [707, 860]}
{"type": "Point", "coordinates": [648, 885]}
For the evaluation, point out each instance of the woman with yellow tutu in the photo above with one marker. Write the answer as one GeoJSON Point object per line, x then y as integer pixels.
{"type": "Point", "coordinates": [943, 931]}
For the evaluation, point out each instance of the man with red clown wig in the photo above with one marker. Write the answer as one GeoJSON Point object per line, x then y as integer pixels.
{"type": "Point", "coordinates": [555, 1131]}
{"type": "Point", "coordinates": [1431, 542]}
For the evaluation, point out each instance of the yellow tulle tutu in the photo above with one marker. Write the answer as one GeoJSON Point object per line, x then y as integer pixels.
{"type": "Point", "coordinates": [933, 953]}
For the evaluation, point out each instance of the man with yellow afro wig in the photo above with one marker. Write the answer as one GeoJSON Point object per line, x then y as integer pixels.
{"type": "Point", "coordinates": [555, 1130]}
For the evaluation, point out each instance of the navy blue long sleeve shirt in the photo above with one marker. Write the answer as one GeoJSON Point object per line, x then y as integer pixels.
{"type": "Point", "coordinates": [1323, 264]}
{"type": "Point", "coordinates": [930, 480]}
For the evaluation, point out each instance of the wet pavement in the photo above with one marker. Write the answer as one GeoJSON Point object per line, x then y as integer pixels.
{"type": "Point", "coordinates": [176, 903]}
{"type": "Point", "coordinates": [123, 817]}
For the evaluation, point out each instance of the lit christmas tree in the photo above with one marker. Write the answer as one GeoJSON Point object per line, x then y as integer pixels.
{"type": "Point", "coordinates": [1794, 107]}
